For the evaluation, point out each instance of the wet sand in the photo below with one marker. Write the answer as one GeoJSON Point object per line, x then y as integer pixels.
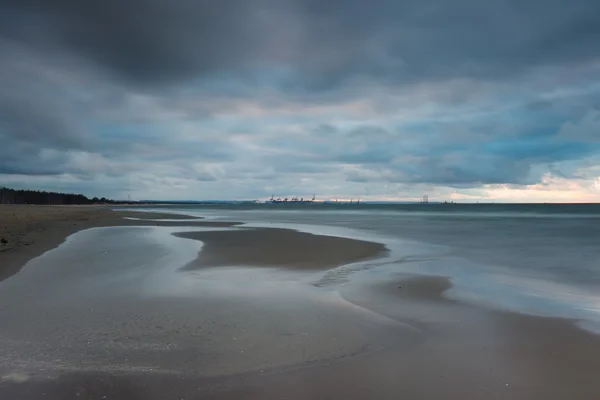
{"type": "Point", "coordinates": [464, 353]}
{"type": "Point", "coordinates": [92, 329]}
{"type": "Point", "coordinates": [30, 230]}
{"type": "Point", "coordinates": [268, 247]}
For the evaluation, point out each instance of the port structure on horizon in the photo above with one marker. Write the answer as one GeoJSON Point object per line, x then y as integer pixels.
{"type": "Point", "coordinates": [293, 200]}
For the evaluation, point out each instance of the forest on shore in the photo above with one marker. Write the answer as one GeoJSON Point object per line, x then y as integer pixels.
{"type": "Point", "coordinates": [14, 196]}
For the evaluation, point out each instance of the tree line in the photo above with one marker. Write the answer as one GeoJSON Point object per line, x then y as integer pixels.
{"type": "Point", "coordinates": [13, 196]}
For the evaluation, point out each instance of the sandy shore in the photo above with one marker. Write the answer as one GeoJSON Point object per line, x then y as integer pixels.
{"type": "Point", "coordinates": [30, 230]}
{"type": "Point", "coordinates": [257, 334]}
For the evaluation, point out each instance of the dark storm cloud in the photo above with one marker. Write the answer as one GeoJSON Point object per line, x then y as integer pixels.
{"type": "Point", "coordinates": [440, 39]}
{"type": "Point", "coordinates": [145, 40]}
{"type": "Point", "coordinates": [320, 43]}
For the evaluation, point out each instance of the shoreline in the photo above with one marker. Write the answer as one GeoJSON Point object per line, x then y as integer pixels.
{"type": "Point", "coordinates": [368, 338]}
{"type": "Point", "coordinates": [31, 230]}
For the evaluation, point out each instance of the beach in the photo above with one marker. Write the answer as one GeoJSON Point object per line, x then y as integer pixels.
{"type": "Point", "coordinates": [30, 230]}
{"type": "Point", "coordinates": [247, 304]}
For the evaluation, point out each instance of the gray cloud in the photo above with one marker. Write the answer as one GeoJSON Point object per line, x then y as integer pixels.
{"type": "Point", "coordinates": [320, 44]}
{"type": "Point", "coordinates": [147, 40]}
{"type": "Point", "coordinates": [183, 91]}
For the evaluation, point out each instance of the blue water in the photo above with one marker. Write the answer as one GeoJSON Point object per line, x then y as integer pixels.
{"type": "Point", "coordinates": [541, 259]}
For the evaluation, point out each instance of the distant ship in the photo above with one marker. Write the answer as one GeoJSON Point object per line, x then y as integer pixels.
{"type": "Point", "coordinates": [293, 200]}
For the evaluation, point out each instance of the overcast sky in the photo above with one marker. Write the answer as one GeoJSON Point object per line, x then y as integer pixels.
{"type": "Point", "coordinates": [468, 100]}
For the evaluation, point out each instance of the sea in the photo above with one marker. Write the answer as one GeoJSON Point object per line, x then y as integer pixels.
{"type": "Point", "coordinates": [538, 259]}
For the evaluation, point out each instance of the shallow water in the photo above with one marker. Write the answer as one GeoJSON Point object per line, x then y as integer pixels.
{"type": "Point", "coordinates": [117, 299]}
{"type": "Point", "coordinates": [538, 259]}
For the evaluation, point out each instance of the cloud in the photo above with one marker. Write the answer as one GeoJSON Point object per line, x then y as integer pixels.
{"type": "Point", "coordinates": [242, 98]}
{"type": "Point", "coordinates": [310, 44]}
{"type": "Point", "coordinates": [148, 41]}
{"type": "Point", "coordinates": [587, 129]}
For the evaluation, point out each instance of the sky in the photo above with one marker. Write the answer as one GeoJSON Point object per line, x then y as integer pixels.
{"type": "Point", "coordinates": [463, 100]}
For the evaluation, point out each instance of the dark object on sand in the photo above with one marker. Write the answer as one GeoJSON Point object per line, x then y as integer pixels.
{"type": "Point", "coordinates": [3, 241]}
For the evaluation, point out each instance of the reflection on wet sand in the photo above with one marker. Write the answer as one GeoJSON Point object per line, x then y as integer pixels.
{"type": "Point", "coordinates": [110, 314]}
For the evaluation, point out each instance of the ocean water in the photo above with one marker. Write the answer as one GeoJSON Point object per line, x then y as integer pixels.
{"type": "Point", "coordinates": [541, 259]}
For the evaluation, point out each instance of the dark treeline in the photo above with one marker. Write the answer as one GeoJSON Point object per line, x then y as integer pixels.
{"type": "Point", "coordinates": [12, 196]}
